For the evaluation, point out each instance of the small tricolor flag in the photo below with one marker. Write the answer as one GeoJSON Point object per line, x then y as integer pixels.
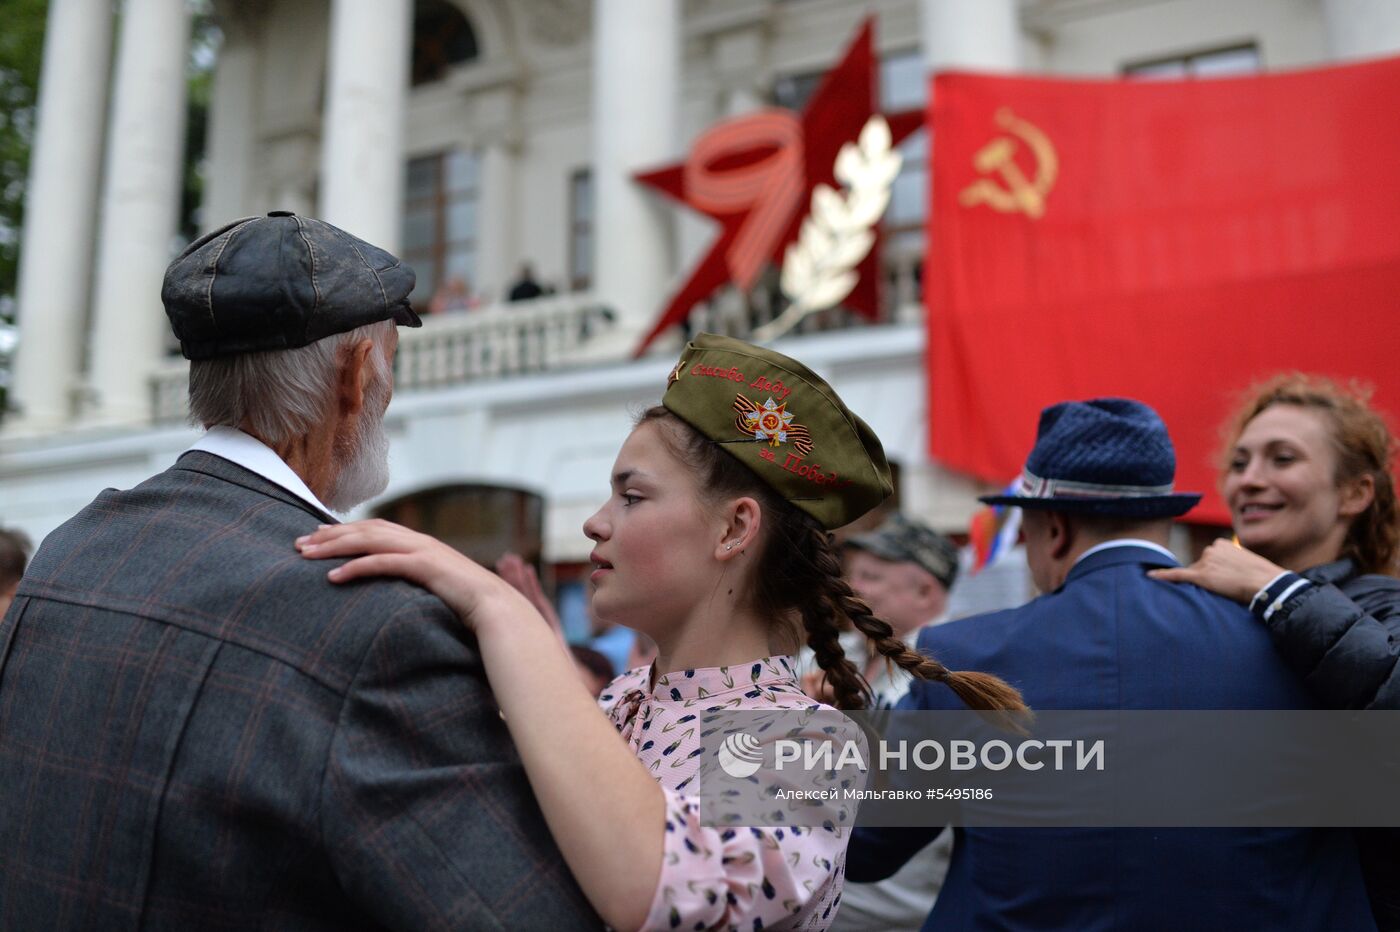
{"type": "Point", "coordinates": [993, 531]}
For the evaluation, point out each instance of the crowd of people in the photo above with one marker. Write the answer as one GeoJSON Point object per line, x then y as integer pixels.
{"type": "Point", "coordinates": [454, 294]}
{"type": "Point", "coordinates": [222, 708]}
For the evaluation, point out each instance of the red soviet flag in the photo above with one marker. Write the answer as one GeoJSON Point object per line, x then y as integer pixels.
{"type": "Point", "coordinates": [1167, 241]}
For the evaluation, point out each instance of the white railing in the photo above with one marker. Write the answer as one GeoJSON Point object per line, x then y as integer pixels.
{"type": "Point", "coordinates": [738, 315]}
{"type": "Point", "coordinates": [170, 388]}
{"type": "Point", "coordinates": [450, 349]}
{"type": "Point", "coordinates": [562, 330]}
{"type": "Point", "coordinates": [503, 339]}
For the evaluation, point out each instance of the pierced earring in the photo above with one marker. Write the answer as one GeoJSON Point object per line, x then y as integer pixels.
{"type": "Point", "coordinates": [728, 546]}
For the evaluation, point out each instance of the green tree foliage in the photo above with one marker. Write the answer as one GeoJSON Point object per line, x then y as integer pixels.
{"type": "Point", "coordinates": [21, 52]}
{"type": "Point", "coordinates": [21, 55]}
{"type": "Point", "coordinates": [205, 40]}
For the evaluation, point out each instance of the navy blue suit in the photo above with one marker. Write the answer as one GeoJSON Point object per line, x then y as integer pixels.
{"type": "Point", "coordinates": [1112, 638]}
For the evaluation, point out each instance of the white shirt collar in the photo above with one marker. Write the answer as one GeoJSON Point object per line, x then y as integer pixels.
{"type": "Point", "coordinates": [1127, 542]}
{"type": "Point", "coordinates": [253, 455]}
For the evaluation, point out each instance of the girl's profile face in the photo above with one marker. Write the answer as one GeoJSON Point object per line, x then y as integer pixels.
{"type": "Point", "coordinates": [654, 554]}
{"type": "Point", "coordinates": [1281, 488]}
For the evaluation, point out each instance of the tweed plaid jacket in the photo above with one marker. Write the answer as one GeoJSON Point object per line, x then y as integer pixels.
{"type": "Point", "coordinates": [197, 731]}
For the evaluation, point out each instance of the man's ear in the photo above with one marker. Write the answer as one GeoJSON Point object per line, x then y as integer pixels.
{"type": "Point", "coordinates": [740, 531]}
{"type": "Point", "coordinates": [1061, 531]}
{"type": "Point", "coordinates": [355, 373]}
{"type": "Point", "coordinates": [933, 596]}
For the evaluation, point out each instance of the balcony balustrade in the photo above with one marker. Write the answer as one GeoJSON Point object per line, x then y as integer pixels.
{"type": "Point", "coordinates": [560, 331]}
{"type": "Point", "coordinates": [453, 349]}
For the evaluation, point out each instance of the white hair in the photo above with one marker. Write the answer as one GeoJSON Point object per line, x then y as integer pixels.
{"type": "Point", "coordinates": [280, 394]}
{"type": "Point", "coordinates": [362, 461]}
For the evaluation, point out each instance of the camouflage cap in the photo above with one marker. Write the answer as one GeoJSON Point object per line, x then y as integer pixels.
{"type": "Point", "coordinates": [783, 422]}
{"type": "Point", "coordinates": [903, 540]}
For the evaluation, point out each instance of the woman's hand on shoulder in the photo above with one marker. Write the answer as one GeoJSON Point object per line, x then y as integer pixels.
{"type": "Point", "coordinates": [1226, 569]}
{"type": "Point", "coordinates": [382, 548]}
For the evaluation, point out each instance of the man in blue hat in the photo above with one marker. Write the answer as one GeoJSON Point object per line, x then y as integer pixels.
{"type": "Point", "coordinates": [1098, 505]}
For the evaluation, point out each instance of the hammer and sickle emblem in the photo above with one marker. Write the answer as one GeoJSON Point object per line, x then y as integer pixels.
{"type": "Point", "coordinates": [998, 157]}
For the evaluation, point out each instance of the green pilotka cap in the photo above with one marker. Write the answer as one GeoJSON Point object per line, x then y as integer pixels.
{"type": "Point", "coordinates": [782, 421]}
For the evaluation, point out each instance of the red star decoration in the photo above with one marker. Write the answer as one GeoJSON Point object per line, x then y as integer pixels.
{"type": "Point", "coordinates": [837, 111]}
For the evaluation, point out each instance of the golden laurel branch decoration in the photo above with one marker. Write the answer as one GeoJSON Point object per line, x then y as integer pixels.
{"type": "Point", "coordinates": [819, 269]}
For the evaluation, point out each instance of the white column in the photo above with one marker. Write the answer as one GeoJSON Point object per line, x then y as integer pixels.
{"type": "Point", "coordinates": [140, 205]}
{"type": "Point", "coordinates": [496, 116]}
{"type": "Point", "coordinates": [61, 207]}
{"type": "Point", "coordinates": [232, 115]}
{"type": "Point", "coordinates": [636, 89]}
{"type": "Point", "coordinates": [974, 34]}
{"type": "Point", "coordinates": [286, 178]}
{"type": "Point", "coordinates": [294, 197]}
{"type": "Point", "coordinates": [1362, 28]}
{"type": "Point", "coordinates": [362, 165]}
{"type": "Point", "coordinates": [694, 232]}
{"type": "Point", "coordinates": [739, 60]}
{"type": "Point", "coordinates": [497, 209]}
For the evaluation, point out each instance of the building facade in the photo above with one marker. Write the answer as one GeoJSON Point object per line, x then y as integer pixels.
{"type": "Point", "coordinates": [475, 137]}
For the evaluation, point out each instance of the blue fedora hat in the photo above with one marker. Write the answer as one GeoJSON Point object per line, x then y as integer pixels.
{"type": "Point", "coordinates": [1109, 456]}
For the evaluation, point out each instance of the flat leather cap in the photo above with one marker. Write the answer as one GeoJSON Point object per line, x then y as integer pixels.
{"type": "Point", "coordinates": [280, 282]}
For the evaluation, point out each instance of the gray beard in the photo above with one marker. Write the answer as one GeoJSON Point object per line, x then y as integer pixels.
{"type": "Point", "coordinates": [364, 473]}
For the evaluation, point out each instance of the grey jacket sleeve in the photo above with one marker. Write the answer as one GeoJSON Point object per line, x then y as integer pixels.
{"type": "Point", "coordinates": [426, 809]}
{"type": "Point", "coordinates": [1344, 642]}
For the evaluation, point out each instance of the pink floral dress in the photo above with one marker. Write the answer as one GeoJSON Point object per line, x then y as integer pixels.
{"type": "Point", "coordinates": [724, 878]}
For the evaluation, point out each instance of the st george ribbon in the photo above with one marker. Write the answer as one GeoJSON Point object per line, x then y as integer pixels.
{"type": "Point", "coordinates": [755, 176]}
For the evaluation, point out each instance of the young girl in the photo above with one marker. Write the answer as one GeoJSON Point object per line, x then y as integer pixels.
{"type": "Point", "coordinates": [713, 542]}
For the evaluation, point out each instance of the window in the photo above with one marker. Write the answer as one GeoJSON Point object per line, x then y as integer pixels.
{"type": "Point", "coordinates": [439, 221]}
{"type": "Point", "coordinates": [481, 521]}
{"type": "Point", "coordinates": [581, 230]}
{"type": "Point", "coordinates": [904, 86]}
{"type": "Point", "coordinates": [442, 37]}
{"type": "Point", "coordinates": [1236, 59]}
{"type": "Point", "coordinates": [792, 90]}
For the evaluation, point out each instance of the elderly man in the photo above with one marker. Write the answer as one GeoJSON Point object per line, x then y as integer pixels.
{"type": "Point", "coordinates": [1098, 501]}
{"type": "Point", "coordinates": [197, 730]}
{"type": "Point", "coordinates": [903, 570]}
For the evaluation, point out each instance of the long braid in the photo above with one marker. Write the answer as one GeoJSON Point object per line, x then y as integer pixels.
{"type": "Point", "coordinates": [802, 576]}
{"type": "Point", "coordinates": [848, 686]}
{"type": "Point", "coordinates": [980, 691]}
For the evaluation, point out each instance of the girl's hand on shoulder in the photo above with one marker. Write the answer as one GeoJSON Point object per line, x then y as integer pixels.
{"type": "Point", "coordinates": [382, 548]}
{"type": "Point", "coordinates": [1226, 569]}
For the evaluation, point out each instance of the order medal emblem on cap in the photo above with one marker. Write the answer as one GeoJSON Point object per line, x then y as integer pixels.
{"type": "Point", "coordinates": [771, 422]}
